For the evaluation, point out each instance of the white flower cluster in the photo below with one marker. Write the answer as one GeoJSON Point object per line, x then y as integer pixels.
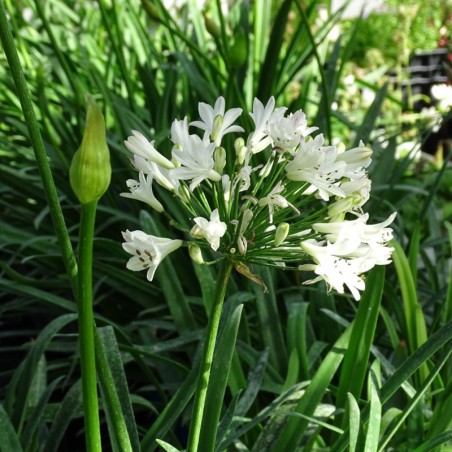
{"type": "Point", "coordinates": [277, 197]}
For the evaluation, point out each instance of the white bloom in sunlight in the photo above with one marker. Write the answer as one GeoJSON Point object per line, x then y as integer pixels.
{"type": "Point", "coordinates": [215, 122]}
{"type": "Point", "coordinates": [442, 93]}
{"type": "Point", "coordinates": [259, 140]}
{"type": "Point", "coordinates": [141, 146]}
{"type": "Point", "coordinates": [211, 230]}
{"type": "Point", "coordinates": [142, 191]}
{"type": "Point", "coordinates": [274, 199]}
{"type": "Point", "coordinates": [196, 160]}
{"type": "Point", "coordinates": [147, 251]}
{"type": "Point", "coordinates": [317, 165]}
{"type": "Point", "coordinates": [286, 132]}
{"type": "Point", "coordinates": [161, 175]}
{"type": "Point", "coordinates": [357, 231]}
{"type": "Point", "coordinates": [357, 159]}
{"type": "Point", "coordinates": [179, 133]}
{"type": "Point", "coordinates": [335, 271]}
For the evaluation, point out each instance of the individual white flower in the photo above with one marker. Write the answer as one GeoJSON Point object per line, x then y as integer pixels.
{"type": "Point", "coordinates": [179, 133]}
{"type": "Point", "coordinates": [337, 272]}
{"type": "Point", "coordinates": [317, 165]}
{"type": "Point", "coordinates": [357, 159]}
{"type": "Point", "coordinates": [357, 230]}
{"type": "Point", "coordinates": [142, 191]}
{"type": "Point", "coordinates": [216, 122]}
{"type": "Point", "coordinates": [259, 139]}
{"type": "Point", "coordinates": [161, 175]}
{"type": "Point", "coordinates": [211, 230]}
{"type": "Point", "coordinates": [286, 132]}
{"type": "Point", "coordinates": [196, 160]}
{"type": "Point", "coordinates": [141, 146]}
{"type": "Point", "coordinates": [274, 199]}
{"type": "Point", "coordinates": [147, 251]}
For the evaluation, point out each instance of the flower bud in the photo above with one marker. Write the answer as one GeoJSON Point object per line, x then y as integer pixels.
{"type": "Point", "coordinates": [211, 26]}
{"type": "Point", "coordinates": [219, 159]}
{"type": "Point", "coordinates": [240, 150]}
{"type": "Point", "coordinates": [281, 233]}
{"type": "Point", "coordinates": [90, 170]}
{"type": "Point", "coordinates": [216, 127]}
{"type": "Point", "coordinates": [195, 253]}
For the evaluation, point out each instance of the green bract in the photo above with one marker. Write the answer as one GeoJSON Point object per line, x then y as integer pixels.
{"type": "Point", "coordinates": [90, 170]}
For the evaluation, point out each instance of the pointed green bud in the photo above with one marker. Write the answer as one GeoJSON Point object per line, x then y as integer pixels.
{"type": "Point", "coordinates": [90, 170]}
{"type": "Point", "coordinates": [195, 253]}
{"type": "Point", "coordinates": [220, 160]}
{"type": "Point", "coordinates": [216, 127]}
{"type": "Point", "coordinates": [281, 233]}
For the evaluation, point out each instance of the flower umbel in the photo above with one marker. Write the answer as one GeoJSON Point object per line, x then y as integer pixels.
{"type": "Point", "coordinates": [302, 208]}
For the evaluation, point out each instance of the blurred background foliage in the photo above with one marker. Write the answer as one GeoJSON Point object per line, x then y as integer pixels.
{"type": "Point", "coordinates": [148, 63]}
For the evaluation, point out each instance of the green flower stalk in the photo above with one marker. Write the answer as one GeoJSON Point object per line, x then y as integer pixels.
{"type": "Point", "coordinates": [90, 174]}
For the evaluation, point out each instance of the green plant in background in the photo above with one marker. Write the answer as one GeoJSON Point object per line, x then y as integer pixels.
{"type": "Point", "coordinates": [308, 369]}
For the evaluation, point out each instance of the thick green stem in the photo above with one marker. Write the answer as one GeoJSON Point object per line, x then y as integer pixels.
{"type": "Point", "coordinates": [206, 363]}
{"type": "Point", "coordinates": [86, 328]}
{"type": "Point", "coordinates": [38, 147]}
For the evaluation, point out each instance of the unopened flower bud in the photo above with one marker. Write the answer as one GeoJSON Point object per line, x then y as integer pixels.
{"type": "Point", "coordinates": [219, 159]}
{"type": "Point", "coordinates": [195, 253]}
{"type": "Point", "coordinates": [337, 210]}
{"type": "Point", "coordinates": [281, 233]}
{"type": "Point", "coordinates": [211, 26]}
{"type": "Point", "coordinates": [240, 150]}
{"type": "Point", "coordinates": [216, 127]}
{"type": "Point", "coordinates": [90, 170]}
{"type": "Point", "coordinates": [242, 244]}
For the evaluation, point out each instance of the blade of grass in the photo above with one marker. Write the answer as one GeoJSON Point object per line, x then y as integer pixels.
{"type": "Point", "coordinates": [220, 370]}
{"type": "Point", "coordinates": [113, 383]}
{"type": "Point", "coordinates": [294, 429]}
{"type": "Point", "coordinates": [9, 439]}
{"type": "Point", "coordinates": [354, 366]}
{"type": "Point", "coordinates": [415, 321]}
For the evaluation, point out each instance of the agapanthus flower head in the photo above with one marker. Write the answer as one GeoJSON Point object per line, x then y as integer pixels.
{"type": "Point", "coordinates": [301, 210]}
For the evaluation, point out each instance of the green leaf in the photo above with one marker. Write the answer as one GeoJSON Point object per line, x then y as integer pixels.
{"type": "Point", "coordinates": [67, 410]}
{"type": "Point", "coordinates": [120, 418]}
{"type": "Point", "coordinates": [26, 372]}
{"type": "Point", "coordinates": [224, 349]}
{"type": "Point", "coordinates": [115, 391]}
{"type": "Point", "coordinates": [166, 446]}
{"type": "Point", "coordinates": [373, 426]}
{"type": "Point", "coordinates": [364, 131]}
{"type": "Point", "coordinates": [415, 321]}
{"type": "Point", "coordinates": [9, 440]}
{"type": "Point", "coordinates": [354, 421]}
{"type": "Point", "coordinates": [354, 366]}
{"type": "Point", "coordinates": [294, 429]}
